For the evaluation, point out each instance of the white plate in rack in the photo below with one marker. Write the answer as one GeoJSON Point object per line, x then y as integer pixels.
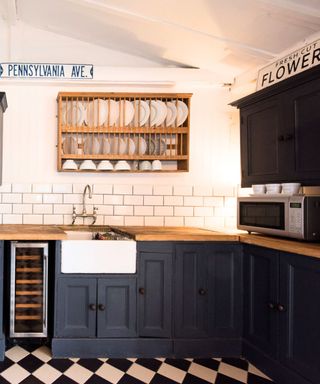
{"type": "Point", "coordinates": [126, 113]}
{"type": "Point", "coordinates": [154, 113]}
{"type": "Point", "coordinates": [142, 112]}
{"type": "Point", "coordinates": [182, 112]}
{"type": "Point", "coordinates": [171, 113]}
{"type": "Point", "coordinates": [141, 145]}
{"type": "Point", "coordinates": [73, 113]}
{"type": "Point", "coordinates": [162, 112]}
{"type": "Point", "coordinates": [70, 146]}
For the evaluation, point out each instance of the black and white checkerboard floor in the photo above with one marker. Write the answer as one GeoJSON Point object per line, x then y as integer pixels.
{"type": "Point", "coordinates": [35, 366]}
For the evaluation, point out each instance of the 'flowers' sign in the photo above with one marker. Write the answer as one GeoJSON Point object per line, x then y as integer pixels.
{"type": "Point", "coordinates": [290, 65]}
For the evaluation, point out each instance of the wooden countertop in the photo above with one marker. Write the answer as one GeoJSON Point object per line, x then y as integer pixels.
{"type": "Point", "coordinates": [176, 234]}
{"type": "Point", "coordinates": [31, 232]}
{"type": "Point", "coordinates": [286, 245]}
{"type": "Point", "coordinates": [140, 233]}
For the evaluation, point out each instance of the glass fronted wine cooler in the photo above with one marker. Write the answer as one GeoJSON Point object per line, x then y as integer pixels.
{"type": "Point", "coordinates": [28, 289]}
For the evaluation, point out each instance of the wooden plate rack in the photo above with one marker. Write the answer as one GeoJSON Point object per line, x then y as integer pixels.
{"type": "Point", "coordinates": [129, 127]}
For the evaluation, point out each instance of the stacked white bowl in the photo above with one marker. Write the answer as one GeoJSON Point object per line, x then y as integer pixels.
{"type": "Point", "coordinates": [273, 189]}
{"type": "Point", "coordinates": [291, 188]}
{"type": "Point", "coordinates": [258, 189]}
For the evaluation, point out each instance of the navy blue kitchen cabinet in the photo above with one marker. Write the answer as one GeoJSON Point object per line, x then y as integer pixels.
{"type": "Point", "coordinates": [278, 132]}
{"type": "Point", "coordinates": [90, 307]}
{"type": "Point", "coordinates": [207, 299]}
{"type": "Point", "coordinates": [155, 290]}
{"type": "Point", "coordinates": [282, 314]}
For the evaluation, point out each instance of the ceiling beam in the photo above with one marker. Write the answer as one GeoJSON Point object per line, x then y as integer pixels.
{"type": "Point", "coordinates": [287, 5]}
{"type": "Point", "coordinates": [93, 4]}
{"type": "Point", "coordinates": [12, 14]}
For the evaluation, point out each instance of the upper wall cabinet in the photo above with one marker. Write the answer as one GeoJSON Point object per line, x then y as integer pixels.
{"type": "Point", "coordinates": [105, 132]}
{"type": "Point", "coordinates": [279, 130]}
{"type": "Point", "coordinates": [3, 107]}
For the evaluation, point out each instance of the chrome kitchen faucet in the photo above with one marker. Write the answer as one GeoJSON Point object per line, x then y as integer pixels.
{"type": "Point", "coordinates": [84, 213]}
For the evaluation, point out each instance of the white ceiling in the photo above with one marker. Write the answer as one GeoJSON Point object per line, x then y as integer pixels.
{"type": "Point", "coordinates": [229, 36]}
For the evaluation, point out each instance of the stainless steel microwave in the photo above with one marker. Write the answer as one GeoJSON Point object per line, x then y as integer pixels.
{"type": "Point", "coordinates": [296, 216]}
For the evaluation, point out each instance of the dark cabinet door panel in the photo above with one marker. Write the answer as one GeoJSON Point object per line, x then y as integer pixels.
{"type": "Point", "coordinates": [261, 126]}
{"type": "Point", "coordinates": [116, 307]}
{"type": "Point", "coordinates": [261, 297]}
{"type": "Point", "coordinates": [191, 286]}
{"type": "Point", "coordinates": [76, 307]}
{"type": "Point", "coordinates": [225, 290]}
{"type": "Point", "coordinates": [155, 294]}
{"type": "Point", "coordinates": [300, 315]}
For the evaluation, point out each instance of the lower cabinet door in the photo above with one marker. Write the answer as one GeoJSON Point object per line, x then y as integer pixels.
{"type": "Point", "coordinates": [154, 294]}
{"type": "Point", "coordinates": [300, 315]}
{"type": "Point", "coordinates": [261, 298]}
{"type": "Point", "coordinates": [75, 307]}
{"type": "Point", "coordinates": [116, 307]}
{"type": "Point", "coordinates": [191, 296]}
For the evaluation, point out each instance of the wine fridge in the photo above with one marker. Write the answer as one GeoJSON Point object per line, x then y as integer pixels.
{"type": "Point", "coordinates": [28, 289]}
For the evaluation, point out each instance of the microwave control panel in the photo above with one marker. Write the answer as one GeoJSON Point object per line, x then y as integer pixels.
{"type": "Point", "coordinates": [295, 217]}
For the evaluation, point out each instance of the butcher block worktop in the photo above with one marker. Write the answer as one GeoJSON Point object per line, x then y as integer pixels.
{"type": "Point", "coordinates": [140, 233]}
{"type": "Point", "coordinates": [31, 232]}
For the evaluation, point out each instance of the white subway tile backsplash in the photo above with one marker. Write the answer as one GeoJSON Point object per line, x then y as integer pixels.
{"type": "Point", "coordinates": [183, 211]}
{"type": "Point", "coordinates": [5, 208]}
{"type": "Point", "coordinates": [41, 188]}
{"type": "Point", "coordinates": [102, 189]}
{"type": "Point", "coordinates": [163, 190]}
{"type": "Point", "coordinates": [62, 188]}
{"type": "Point", "coordinates": [11, 219]}
{"type": "Point", "coordinates": [74, 198]}
{"type": "Point", "coordinates": [193, 201]}
{"type": "Point", "coordinates": [113, 199]}
{"type": "Point", "coordinates": [163, 211]}
{"type": "Point", "coordinates": [62, 209]}
{"type": "Point", "coordinates": [96, 199]}
{"type": "Point", "coordinates": [173, 200]}
{"type": "Point", "coordinates": [22, 208]}
{"type": "Point", "coordinates": [194, 221]}
{"type": "Point", "coordinates": [53, 219]}
{"type": "Point", "coordinates": [173, 221]}
{"type": "Point", "coordinates": [143, 210]}
{"type": "Point", "coordinates": [224, 190]}
{"type": "Point", "coordinates": [213, 201]}
{"type": "Point", "coordinates": [79, 188]}
{"type": "Point", "coordinates": [124, 210]}
{"type": "Point", "coordinates": [113, 220]}
{"type": "Point", "coordinates": [182, 190]}
{"type": "Point", "coordinates": [203, 211]}
{"type": "Point", "coordinates": [52, 198]}
{"type": "Point", "coordinates": [133, 200]}
{"type": "Point", "coordinates": [153, 200]}
{"type": "Point", "coordinates": [5, 188]}
{"type": "Point", "coordinates": [32, 198]}
{"type": "Point", "coordinates": [202, 190]}
{"type": "Point", "coordinates": [15, 198]}
{"type": "Point", "coordinates": [21, 188]}
{"type": "Point", "coordinates": [42, 208]}
{"type": "Point", "coordinates": [133, 220]}
{"type": "Point", "coordinates": [105, 210]}
{"type": "Point", "coordinates": [155, 205]}
{"type": "Point", "coordinates": [32, 219]}
{"type": "Point", "coordinates": [142, 189]}
{"type": "Point", "coordinates": [122, 189]}
{"type": "Point", "coordinates": [154, 221]}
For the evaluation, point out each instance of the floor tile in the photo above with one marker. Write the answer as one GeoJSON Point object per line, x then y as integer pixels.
{"type": "Point", "coordinates": [256, 371]}
{"type": "Point", "coordinates": [209, 363]}
{"type": "Point", "coordinates": [152, 364]}
{"type": "Point", "coordinates": [254, 379]}
{"type": "Point", "coordinates": [190, 379]}
{"type": "Point", "coordinates": [223, 379]}
{"type": "Point", "coordinates": [30, 363]}
{"type": "Point", "coordinates": [78, 373]}
{"type": "Point", "coordinates": [5, 364]}
{"type": "Point", "coordinates": [171, 372]}
{"type": "Point", "coordinates": [16, 353]}
{"type": "Point", "coordinates": [31, 380]}
{"type": "Point", "coordinates": [43, 353]}
{"type": "Point", "coordinates": [233, 372]}
{"type": "Point", "coordinates": [141, 373]}
{"type": "Point", "coordinates": [47, 374]}
{"type": "Point", "coordinates": [15, 374]}
{"type": "Point", "coordinates": [91, 364]}
{"type": "Point", "coordinates": [159, 379]}
{"type": "Point", "coordinates": [240, 363]}
{"type": "Point", "coordinates": [95, 379]}
{"type": "Point", "coordinates": [122, 364]}
{"type": "Point", "coordinates": [202, 372]}
{"type": "Point", "coordinates": [60, 364]}
{"type": "Point", "coordinates": [179, 363]}
{"type": "Point", "coordinates": [110, 373]}
{"type": "Point", "coordinates": [127, 379]}
{"type": "Point", "coordinates": [64, 380]}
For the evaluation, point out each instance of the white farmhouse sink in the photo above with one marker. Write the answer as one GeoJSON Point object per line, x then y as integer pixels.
{"type": "Point", "coordinates": [84, 255]}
